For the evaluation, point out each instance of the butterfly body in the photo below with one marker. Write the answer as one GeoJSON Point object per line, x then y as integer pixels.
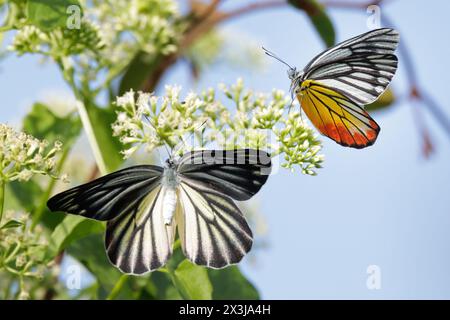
{"type": "Point", "coordinates": [334, 87]}
{"type": "Point", "coordinates": [145, 205]}
{"type": "Point", "coordinates": [170, 184]}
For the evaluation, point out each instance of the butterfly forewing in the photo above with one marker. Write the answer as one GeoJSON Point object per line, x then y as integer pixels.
{"type": "Point", "coordinates": [375, 42]}
{"type": "Point", "coordinates": [109, 196]}
{"type": "Point", "coordinates": [236, 173]}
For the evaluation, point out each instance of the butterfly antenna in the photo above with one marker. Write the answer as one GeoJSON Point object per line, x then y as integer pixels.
{"type": "Point", "coordinates": [192, 133]}
{"type": "Point", "coordinates": [273, 55]}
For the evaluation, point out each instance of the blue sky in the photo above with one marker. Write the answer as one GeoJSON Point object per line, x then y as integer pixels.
{"type": "Point", "coordinates": [385, 205]}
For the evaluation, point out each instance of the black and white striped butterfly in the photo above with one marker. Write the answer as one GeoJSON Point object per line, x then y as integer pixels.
{"type": "Point", "coordinates": [145, 204]}
{"type": "Point", "coordinates": [333, 88]}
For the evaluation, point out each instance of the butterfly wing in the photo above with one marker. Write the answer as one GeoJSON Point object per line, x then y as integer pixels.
{"type": "Point", "coordinates": [212, 229]}
{"type": "Point", "coordinates": [109, 196]}
{"type": "Point", "coordinates": [360, 68]}
{"type": "Point", "coordinates": [137, 240]}
{"type": "Point", "coordinates": [238, 173]}
{"type": "Point", "coordinates": [338, 117]}
{"type": "Point", "coordinates": [140, 242]}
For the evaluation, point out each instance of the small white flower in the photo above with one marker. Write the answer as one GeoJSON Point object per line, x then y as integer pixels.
{"type": "Point", "coordinates": [25, 175]}
{"type": "Point", "coordinates": [21, 260]}
{"type": "Point", "coordinates": [65, 178]}
{"type": "Point", "coordinates": [126, 100]}
{"type": "Point", "coordinates": [128, 152]}
{"type": "Point", "coordinates": [122, 117]}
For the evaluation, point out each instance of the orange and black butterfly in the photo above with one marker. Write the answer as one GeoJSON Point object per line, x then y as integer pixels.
{"type": "Point", "coordinates": [333, 88]}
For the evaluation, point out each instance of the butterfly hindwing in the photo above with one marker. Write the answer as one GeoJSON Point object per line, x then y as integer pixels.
{"type": "Point", "coordinates": [337, 116]}
{"type": "Point", "coordinates": [130, 200]}
{"type": "Point", "coordinates": [212, 229]}
{"type": "Point", "coordinates": [140, 241]}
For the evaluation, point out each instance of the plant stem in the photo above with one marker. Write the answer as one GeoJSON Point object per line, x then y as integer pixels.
{"type": "Point", "coordinates": [84, 116]}
{"type": "Point", "coordinates": [117, 287]}
{"type": "Point", "coordinates": [2, 197]}
{"type": "Point", "coordinates": [89, 129]}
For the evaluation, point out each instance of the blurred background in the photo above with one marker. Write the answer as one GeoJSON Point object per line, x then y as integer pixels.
{"type": "Point", "coordinates": [385, 206]}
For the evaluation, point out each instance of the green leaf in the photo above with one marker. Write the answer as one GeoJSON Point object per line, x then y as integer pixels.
{"type": "Point", "coordinates": [192, 281]}
{"type": "Point", "coordinates": [138, 71]}
{"type": "Point", "coordinates": [319, 18]}
{"type": "Point", "coordinates": [11, 224]}
{"type": "Point", "coordinates": [24, 195]}
{"type": "Point", "coordinates": [386, 99]}
{"type": "Point", "coordinates": [42, 123]}
{"type": "Point", "coordinates": [110, 147]}
{"type": "Point", "coordinates": [71, 229]}
{"type": "Point", "coordinates": [161, 287]}
{"type": "Point", "coordinates": [90, 251]}
{"type": "Point", "coordinates": [49, 14]}
{"type": "Point", "coordinates": [230, 283]}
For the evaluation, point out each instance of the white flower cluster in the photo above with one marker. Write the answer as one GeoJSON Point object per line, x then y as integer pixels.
{"type": "Point", "coordinates": [130, 25]}
{"type": "Point", "coordinates": [22, 155]}
{"type": "Point", "coordinates": [143, 118]}
{"type": "Point", "coordinates": [29, 39]}
{"type": "Point", "coordinates": [255, 121]}
{"type": "Point", "coordinates": [23, 250]}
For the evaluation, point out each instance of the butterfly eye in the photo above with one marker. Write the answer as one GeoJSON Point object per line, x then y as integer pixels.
{"type": "Point", "coordinates": [291, 73]}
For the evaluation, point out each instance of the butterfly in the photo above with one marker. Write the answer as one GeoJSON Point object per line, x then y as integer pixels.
{"type": "Point", "coordinates": [333, 88]}
{"type": "Point", "coordinates": [144, 205]}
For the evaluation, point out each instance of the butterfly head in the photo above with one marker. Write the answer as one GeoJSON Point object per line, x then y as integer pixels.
{"type": "Point", "coordinates": [293, 73]}
{"type": "Point", "coordinates": [170, 163]}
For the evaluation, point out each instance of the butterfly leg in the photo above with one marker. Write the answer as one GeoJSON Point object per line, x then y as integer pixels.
{"type": "Point", "coordinates": [293, 94]}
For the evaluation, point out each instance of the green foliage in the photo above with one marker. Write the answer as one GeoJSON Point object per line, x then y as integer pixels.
{"type": "Point", "coordinates": [70, 230]}
{"type": "Point", "coordinates": [108, 145]}
{"type": "Point", "coordinates": [192, 281]}
{"type": "Point", "coordinates": [230, 284]}
{"type": "Point", "coordinates": [90, 251]}
{"type": "Point", "coordinates": [137, 71]}
{"type": "Point", "coordinates": [49, 14]}
{"type": "Point", "coordinates": [319, 18]}
{"type": "Point", "coordinates": [11, 224]}
{"type": "Point", "coordinates": [42, 123]}
{"type": "Point", "coordinates": [386, 100]}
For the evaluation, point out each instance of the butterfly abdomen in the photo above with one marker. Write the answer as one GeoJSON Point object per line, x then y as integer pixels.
{"type": "Point", "coordinates": [170, 184]}
{"type": "Point", "coordinates": [169, 204]}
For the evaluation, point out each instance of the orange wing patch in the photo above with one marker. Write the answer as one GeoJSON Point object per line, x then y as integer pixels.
{"type": "Point", "coordinates": [336, 116]}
